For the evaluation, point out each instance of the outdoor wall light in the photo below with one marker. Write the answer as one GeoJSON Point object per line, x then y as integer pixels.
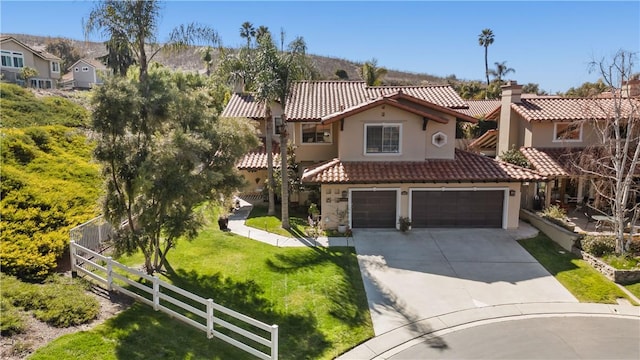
{"type": "Point", "coordinates": [512, 193]}
{"type": "Point", "coordinates": [344, 193]}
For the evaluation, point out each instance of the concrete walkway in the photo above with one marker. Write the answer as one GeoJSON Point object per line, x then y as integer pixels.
{"type": "Point", "coordinates": [237, 226]}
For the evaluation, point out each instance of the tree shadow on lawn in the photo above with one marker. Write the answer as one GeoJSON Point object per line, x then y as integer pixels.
{"type": "Point", "coordinates": [298, 337]}
{"type": "Point", "coordinates": [348, 298]}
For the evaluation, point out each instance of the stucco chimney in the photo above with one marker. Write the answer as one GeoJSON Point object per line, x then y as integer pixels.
{"type": "Point", "coordinates": [631, 88]}
{"type": "Point", "coordinates": [508, 126]}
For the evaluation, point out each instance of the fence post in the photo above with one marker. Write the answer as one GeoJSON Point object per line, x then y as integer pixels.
{"type": "Point", "coordinates": [156, 292]}
{"type": "Point", "coordinates": [73, 254]}
{"type": "Point", "coordinates": [274, 342]}
{"type": "Point", "coordinates": [210, 323]}
{"type": "Point", "coordinates": [109, 273]}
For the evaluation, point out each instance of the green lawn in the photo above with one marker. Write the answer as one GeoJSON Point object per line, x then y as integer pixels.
{"type": "Point", "coordinates": [315, 295]}
{"type": "Point", "coordinates": [634, 288]}
{"type": "Point", "coordinates": [582, 280]}
{"type": "Point", "coordinates": [260, 220]}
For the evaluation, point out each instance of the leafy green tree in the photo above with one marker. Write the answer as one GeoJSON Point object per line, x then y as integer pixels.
{"type": "Point", "coordinates": [501, 71]}
{"type": "Point", "coordinates": [587, 89]}
{"type": "Point", "coordinates": [371, 73]}
{"type": "Point", "coordinates": [485, 39]}
{"type": "Point", "coordinates": [207, 58]}
{"type": "Point", "coordinates": [342, 74]}
{"type": "Point", "coordinates": [64, 49]}
{"type": "Point", "coordinates": [119, 55]}
{"type": "Point", "coordinates": [159, 167]}
{"type": "Point", "coordinates": [532, 88]}
{"type": "Point", "coordinates": [27, 73]}
{"type": "Point", "coordinates": [247, 31]}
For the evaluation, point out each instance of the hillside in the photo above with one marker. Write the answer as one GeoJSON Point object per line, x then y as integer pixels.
{"type": "Point", "coordinates": [190, 60]}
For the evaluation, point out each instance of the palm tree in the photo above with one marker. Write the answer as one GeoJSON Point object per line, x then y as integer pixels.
{"type": "Point", "coordinates": [119, 55]}
{"type": "Point", "coordinates": [276, 72]}
{"type": "Point", "coordinates": [371, 73]}
{"type": "Point", "coordinates": [501, 70]}
{"type": "Point", "coordinates": [248, 32]}
{"type": "Point", "coordinates": [485, 39]}
{"type": "Point", "coordinates": [261, 31]}
{"type": "Point", "coordinates": [207, 58]}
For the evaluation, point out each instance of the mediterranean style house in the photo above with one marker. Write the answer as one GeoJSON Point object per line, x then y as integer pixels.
{"type": "Point", "coordinates": [382, 153]}
{"type": "Point", "coordinates": [549, 131]}
{"type": "Point", "coordinates": [16, 56]}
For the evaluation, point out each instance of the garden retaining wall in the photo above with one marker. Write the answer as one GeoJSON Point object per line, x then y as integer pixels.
{"type": "Point", "coordinates": [560, 235]}
{"type": "Point", "coordinates": [618, 276]}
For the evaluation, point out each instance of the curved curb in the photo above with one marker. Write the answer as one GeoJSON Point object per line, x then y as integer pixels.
{"type": "Point", "coordinates": [458, 320]}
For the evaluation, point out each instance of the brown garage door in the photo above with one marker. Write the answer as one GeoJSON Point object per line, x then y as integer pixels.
{"type": "Point", "coordinates": [457, 208]}
{"type": "Point", "coordinates": [373, 209]}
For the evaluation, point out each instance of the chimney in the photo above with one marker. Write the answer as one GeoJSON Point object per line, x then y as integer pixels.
{"type": "Point", "coordinates": [631, 88]}
{"type": "Point", "coordinates": [508, 125]}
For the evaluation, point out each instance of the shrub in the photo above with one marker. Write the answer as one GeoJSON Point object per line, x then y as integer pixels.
{"type": "Point", "coordinates": [12, 321]}
{"type": "Point", "coordinates": [598, 245]}
{"type": "Point", "coordinates": [554, 212]}
{"type": "Point", "coordinates": [60, 302]}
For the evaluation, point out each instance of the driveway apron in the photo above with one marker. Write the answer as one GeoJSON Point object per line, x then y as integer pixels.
{"type": "Point", "coordinates": [430, 272]}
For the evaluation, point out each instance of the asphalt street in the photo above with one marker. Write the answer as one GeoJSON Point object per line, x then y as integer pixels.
{"type": "Point", "coordinates": [570, 337]}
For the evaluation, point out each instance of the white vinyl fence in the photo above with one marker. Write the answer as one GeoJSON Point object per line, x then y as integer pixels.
{"type": "Point", "coordinates": [214, 319]}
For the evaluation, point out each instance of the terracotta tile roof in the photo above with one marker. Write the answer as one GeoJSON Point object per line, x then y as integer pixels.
{"type": "Point", "coordinates": [243, 105]}
{"type": "Point", "coordinates": [313, 100]}
{"type": "Point", "coordinates": [552, 162]}
{"type": "Point", "coordinates": [480, 108]}
{"type": "Point", "coordinates": [466, 167]}
{"type": "Point", "coordinates": [402, 101]}
{"type": "Point", "coordinates": [567, 109]}
{"type": "Point", "coordinates": [257, 159]}
{"type": "Point", "coordinates": [488, 140]}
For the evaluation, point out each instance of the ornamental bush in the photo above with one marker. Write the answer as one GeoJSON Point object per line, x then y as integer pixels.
{"type": "Point", "coordinates": [598, 245]}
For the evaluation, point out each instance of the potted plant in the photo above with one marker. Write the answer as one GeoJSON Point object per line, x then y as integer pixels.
{"type": "Point", "coordinates": [314, 212]}
{"type": "Point", "coordinates": [342, 219]}
{"type": "Point", "coordinates": [405, 223]}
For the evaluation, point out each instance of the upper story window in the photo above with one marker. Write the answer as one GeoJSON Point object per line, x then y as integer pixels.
{"type": "Point", "coordinates": [571, 132]}
{"type": "Point", "coordinates": [55, 66]}
{"type": "Point", "coordinates": [382, 139]}
{"type": "Point", "coordinates": [76, 69]}
{"type": "Point", "coordinates": [277, 125]}
{"type": "Point", "coordinates": [12, 59]}
{"type": "Point", "coordinates": [316, 133]}
{"type": "Point", "coordinates": [85, 69]}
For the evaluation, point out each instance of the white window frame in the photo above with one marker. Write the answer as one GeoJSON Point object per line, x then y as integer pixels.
{"type": "Point", "coordinates": [555, 132]}
{"type": "Point", "coordinates": [367, 153]}
{"type": "Point", "coordinates": [76, 69]}
{"type": "Point", "coordinates": [55, 67]}
{"type": "Point", "coordinates": [274, 125]}
{"type": "Point", "coordinates": [12, 56]}
{"type": "Point", "coordinates": [329, 126]}
{"type": "Point", "coordinates": [85, 69]}
{"type": "Point", "coordinates": [39, 83]}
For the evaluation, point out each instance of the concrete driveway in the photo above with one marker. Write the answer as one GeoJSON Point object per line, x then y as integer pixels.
{"type": "Point", "coordinates": [430, 272]}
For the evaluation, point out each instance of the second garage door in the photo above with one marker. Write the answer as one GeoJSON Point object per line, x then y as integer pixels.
{"type": "Point", "coordinates": [373, 209]}
{"type": "Point", "coordinates": [457, 208]}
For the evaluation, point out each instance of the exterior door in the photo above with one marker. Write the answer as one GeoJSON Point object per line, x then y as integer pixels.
{"type": "Point", "coordinates": [464, 208]}
{"type": "Point", "coordinates": [373, 209]}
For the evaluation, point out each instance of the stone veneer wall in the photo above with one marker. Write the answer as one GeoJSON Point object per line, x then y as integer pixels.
{"type": "Point", "coordinates": [618, 276]}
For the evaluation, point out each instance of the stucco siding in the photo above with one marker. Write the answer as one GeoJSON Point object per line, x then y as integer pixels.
{"type": "Point", "coordinates": [543, 132]}
{"type": "Point", "coordinates": [316, 152]}
{"type": "Point", "coordinates": [332, 198]}
{"type": "Point", "coordinates": [415, 143]}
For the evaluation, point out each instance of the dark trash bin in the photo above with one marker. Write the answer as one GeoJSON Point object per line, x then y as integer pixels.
{"type": "Point", "coordinates": [223, 222]}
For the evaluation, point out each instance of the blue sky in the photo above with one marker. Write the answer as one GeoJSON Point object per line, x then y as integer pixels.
{"type": "Point", "coordinates": [546, 42]}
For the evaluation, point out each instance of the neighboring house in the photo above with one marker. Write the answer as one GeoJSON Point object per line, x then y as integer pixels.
{"type": "Point", "coordinates": [86, 73]}
{"type": "Point", "coordinates": [549, 131]}
{"type": "Point", "coordinates": [389, 152]}
{"type": "Point", "coordinates": [16, 56]}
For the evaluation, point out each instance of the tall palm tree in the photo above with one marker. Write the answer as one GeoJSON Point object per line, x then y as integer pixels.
{"type": "Point", "coordinates": [485, 39]}
{"type": "Point", "coordinates": [371, 73]}
{"type": "Point", "coordinates": [248, 32]}
{"type": "Point", "coordinates": [261, 31]}
{"type": "Point", "coordinates": [501, 70]}
{"type": "Point", "coordinates": [276, 72]}
{"type": "Point", "coordinates": [207, 58]}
